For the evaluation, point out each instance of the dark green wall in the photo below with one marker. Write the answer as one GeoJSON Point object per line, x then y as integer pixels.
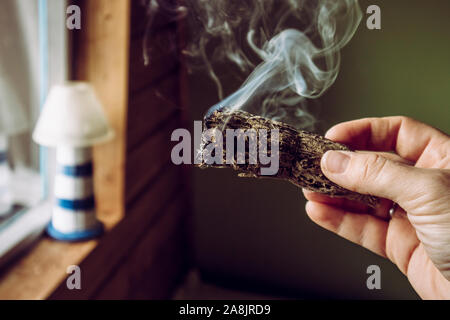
{"type": "Point", "coordinates": [257, 231]}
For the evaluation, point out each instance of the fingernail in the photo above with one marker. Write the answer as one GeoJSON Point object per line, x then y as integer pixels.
{"type": "Point", "coordinates": [336, 161]}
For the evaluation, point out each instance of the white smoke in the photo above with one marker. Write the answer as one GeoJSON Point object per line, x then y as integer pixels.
{"type": "Point", "coordinates": [294, 44]}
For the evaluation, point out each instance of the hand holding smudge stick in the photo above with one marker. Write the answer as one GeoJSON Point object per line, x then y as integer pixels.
{"type": "Point", "coordinates": [299, 154]}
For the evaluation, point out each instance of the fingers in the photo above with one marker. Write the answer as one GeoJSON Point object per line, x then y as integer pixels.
{"type": "Point", "coordinates": [342, 203]}
{"type": "Point", "coordinates": [395, 239]}
{"type": "Point", "coordinates": [370, 173]}
{"type": "Point", "coordinates": [407, 137]}
{"type": "Point", "coordinates": [381, 211]}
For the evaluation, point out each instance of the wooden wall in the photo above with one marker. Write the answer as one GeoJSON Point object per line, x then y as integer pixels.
{"type": "Point", "coordinates": [146, 253]}
{"type": "Point", "coordinates": [155, 189]}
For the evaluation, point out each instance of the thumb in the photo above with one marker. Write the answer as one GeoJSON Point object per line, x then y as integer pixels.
{"type": "Point", "coordinates": [370, 173]}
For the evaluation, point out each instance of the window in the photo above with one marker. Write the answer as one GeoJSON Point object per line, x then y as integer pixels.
{"type": "Point", "coordinates": [33, 56]}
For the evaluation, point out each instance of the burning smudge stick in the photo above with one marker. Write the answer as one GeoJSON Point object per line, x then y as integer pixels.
{"type": "Point", "coordinates": [299, 154]}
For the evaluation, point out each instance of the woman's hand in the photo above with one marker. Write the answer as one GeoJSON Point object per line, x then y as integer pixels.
{"type": "Point", "coordinates": [416, 177]}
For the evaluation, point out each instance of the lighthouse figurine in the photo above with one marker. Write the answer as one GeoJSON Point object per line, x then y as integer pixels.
{"type": "Point", "coordinates": [72, 121]}
{"type": "Point", "coordinates": [13, 121]}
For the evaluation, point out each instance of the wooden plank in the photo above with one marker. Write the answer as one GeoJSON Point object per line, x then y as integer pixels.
{"type": "Point", "coordinates": [100, 51]}
{"type": "Point", "coordinates": [148, 159]}
{"type": "Point", "coordinates": [117, 243]}
{"type": "Point", "coordinates": [148, 108]}
{"type": "Point", "coordinates": [151, 270]}
{"type": "Point", "coordinates": [42, 269]}
{"type": "Point", "coordinates": [162, 50]}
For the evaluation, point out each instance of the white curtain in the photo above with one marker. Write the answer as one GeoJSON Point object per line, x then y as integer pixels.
{"type": "Point", "coordinates": [19, 77]}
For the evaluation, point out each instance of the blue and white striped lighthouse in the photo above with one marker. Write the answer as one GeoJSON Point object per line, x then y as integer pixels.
{"type": "Point", "coordinates": [72, 120]}
{"type": "Point", "coordinates": [74, 207]}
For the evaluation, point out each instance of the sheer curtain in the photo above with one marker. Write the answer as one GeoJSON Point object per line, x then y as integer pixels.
{"type": "Point", "coordinates": [19, 73]}
{"type": "Point", "coordinates": [20, 80]}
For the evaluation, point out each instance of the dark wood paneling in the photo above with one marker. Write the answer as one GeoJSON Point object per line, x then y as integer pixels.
{"type": "Point", "coordinates": [149, 108]}
{"type": "Point", "coordinates": [163, 59]}
{"type": "Point", "coordinates": [140, 15]}
{"type": "Point", "coordinates": [145, 162]}
{"type": "Point", "coordinates": [155, 264]}
{"type": "Point", "coordinates": [154, 110]}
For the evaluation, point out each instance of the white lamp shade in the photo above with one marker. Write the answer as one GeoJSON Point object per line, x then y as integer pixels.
{"type": "Point", "coordinates": [72, 116]}
{"type": "Point", "coordinates": [13, 119]}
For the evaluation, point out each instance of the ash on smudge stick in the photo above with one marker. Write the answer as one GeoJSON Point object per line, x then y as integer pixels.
{"type": "Point", "coordinates": [299, 154]}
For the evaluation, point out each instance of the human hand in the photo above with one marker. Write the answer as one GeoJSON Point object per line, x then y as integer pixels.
{"type": "Point", "coordinates": [416, 177]}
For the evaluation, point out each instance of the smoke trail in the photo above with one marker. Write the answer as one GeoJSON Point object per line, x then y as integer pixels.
{"type": "Point", "coordinates": [294, 44]}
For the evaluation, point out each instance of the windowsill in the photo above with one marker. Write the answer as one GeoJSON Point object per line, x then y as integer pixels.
{"type": "Point", "coordinates": [28, 217]}
{"type": "Point", "coordinates": [40, 270]}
